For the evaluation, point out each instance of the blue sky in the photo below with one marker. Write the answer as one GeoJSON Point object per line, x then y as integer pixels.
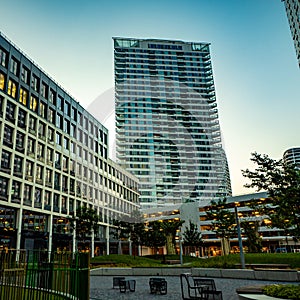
{"type": "Point", "coordinates": [256, 73]}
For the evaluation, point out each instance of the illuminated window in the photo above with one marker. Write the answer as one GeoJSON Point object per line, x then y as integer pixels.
{"type": "Point", "coordinates": [2, 81]}
{"type": "Point", "coordinates": [23, 96]}
{"type": "Point", "coordinates": [43, 109]}
{"type": "Point", "coordinates": [33, 103]}
{"type": "Point", "coordinates": [12, 89]}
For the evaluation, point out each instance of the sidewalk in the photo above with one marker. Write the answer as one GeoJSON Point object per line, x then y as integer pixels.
{"type": "Point", "coordinates": [101, 288]}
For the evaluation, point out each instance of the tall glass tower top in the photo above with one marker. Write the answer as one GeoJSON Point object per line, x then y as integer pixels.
{"type": "Point", "coordinates": [168, 133]}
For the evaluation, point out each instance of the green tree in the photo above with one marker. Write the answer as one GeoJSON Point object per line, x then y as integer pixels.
{"type": "Point", "coordinates": [153, 236]}
{"type": "Point", "coordinates": [223, 223]}
{"type": "Point", "coordinates": [282, 182]}
{"type": "Point", "coordinates": [85, 222]}
{"type": "Point", "coordinates": [169, 229]}
{"type": "Point", "coordinates": [192, 237]}
{"type": "Point", "coordinates": [131, 228]}
{"type": "Point", "coordinates": [253, 241]}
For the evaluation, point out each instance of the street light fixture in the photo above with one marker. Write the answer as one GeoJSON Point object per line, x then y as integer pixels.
{"type": "Point", "coordinates": [242, 257]}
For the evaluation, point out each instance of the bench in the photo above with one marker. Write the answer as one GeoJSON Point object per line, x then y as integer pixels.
{"type": "Point", "coordinates": [171, 262]}
{"type": "Point", "coordinates": [158, 285]}
{"type": "Point", "coordinates": [193, 287]}
{"type": "Point", "coordinates": [116, 281]}
{"type": "Point", "coordinates": [127, 285]}
{"type": "Point", "coordinates": [265, 266]}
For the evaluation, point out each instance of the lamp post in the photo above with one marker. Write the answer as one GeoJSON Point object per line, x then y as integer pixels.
{"type": "Point", "coordinates": [180, 247]}
{"type": "Point", "coordinates": [242, 258]}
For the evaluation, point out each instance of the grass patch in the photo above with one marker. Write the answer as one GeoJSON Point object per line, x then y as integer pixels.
{"type": "Point", "coordinates": [283, 291]}
{"type": "Point", "coordinates": [224, 262]}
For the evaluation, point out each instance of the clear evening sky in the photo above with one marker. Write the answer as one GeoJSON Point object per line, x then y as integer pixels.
{"type": "Point", "coordinates": [256, 74]}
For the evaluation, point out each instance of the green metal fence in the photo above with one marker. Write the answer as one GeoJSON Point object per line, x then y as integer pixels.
{"type": "Point", "coordinates": [42, 275]}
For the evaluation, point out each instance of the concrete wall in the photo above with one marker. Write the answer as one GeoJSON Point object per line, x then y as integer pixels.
{"type": "Point", "coordinates": [275, 275]}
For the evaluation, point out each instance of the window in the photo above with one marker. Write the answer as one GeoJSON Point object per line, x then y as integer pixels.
{"type": "Point", "coordinates": [73, 114]}
{"type": "Point", "coordinates": [66, 126]}
{"type": "Point", "coordinates": [35, 83]}
{"type": "Point", "coordinates": [2, 81]}
{"type": "Point", "coordinates": [27, 195]}
{"type": "Point", "coordinates": [8, 135]}
{"type": "Point", "coordinates": [42, 130]}
{"type": "Point", "coordinates": [33, 103]}
{"type": "Point", "coordinates": [67, 108]}
{"type": "Point", "coordinates": [25, 75]}
{"type": "Point", "coordinates": [32, 123]}
{"type": "Point", "coordinates": [48, 178]}
{"type": "Point", "coordinates": [39, 174]}
{"type": "Point", "coordinates": [57, 181]}
{"type": "Point", "coordinates": [52, 96]}
{"type": "Point", "coordinates": [16, 189]}
{"type": "Point", "coordinates": [51, 116]}
{"type": "Point", "coordinates": [72, 147]}
{"type": "Point", "coordinates": [49, 156]}
{"type": "Point", "coordinates": [44, 90]}
{"type": "Point", "coordinates": [40, 151]}
{"type": "Point", "coordinates": [10, 111]}
{"type": "Point", "coordinates": [37, 198]}
{"type": "Point", "coordinates": [73, 130]}
{"type": "Point", "coordinates": [5, 160]}
{"type": "Point", "coordinates": [3, 56]}
{"type": "Point", "coordinates": [12, 89]}
{"type": "Point", "coordinates": [59, 103]}
{"type": "Point", "coordinates": [57, 160]}
{"type": "Point", "coordinates": [43, 109]}
{"type": "Point", "coordinates": [59, 121]}
{"type": "Point", "coordinates": [66, 143]}
{"type": "Point", "coordinates": [58, 139]}
{"type": "Point", "coordinates": [50, 135]}
{"type": "Point", "coordinates": [3, 187]}
{"type": "Point", "coordinates": [18, 165]}
{"type": "Point", "coordinates": [47, 200]}
{"type": "Point", "coordinates": [56, 202]}
{"type": "Point", "coordinates": [20, 141]}
{"type": "Point", "coordinates": [22, 118]}
{"type": "Point", "coordinates": [28, 170]}
{"type": "Point", "coordinates": [23, 96]}
{"type": "Point", "coordinates": [14, 66]}
{"type": "Point", "coordinates": [31, 147]}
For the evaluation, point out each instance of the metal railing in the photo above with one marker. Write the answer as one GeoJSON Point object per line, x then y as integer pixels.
{"type": "Point", "coordinates": [42, 275]}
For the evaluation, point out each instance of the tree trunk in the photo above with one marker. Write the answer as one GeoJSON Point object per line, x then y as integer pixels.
{"type": "Point", "coordinates": [225, 246]}
{"type": "Point", "coordinates": [170, 245]}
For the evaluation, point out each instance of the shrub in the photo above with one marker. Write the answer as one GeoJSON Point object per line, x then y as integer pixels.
{"type": "Point", "coordinates": [283, 291]}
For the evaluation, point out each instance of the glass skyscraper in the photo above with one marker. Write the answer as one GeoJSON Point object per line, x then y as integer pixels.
{"type": "Point", "coordinates": [167, 127]}
{"type": "Point", "coordinates": [293, 13]}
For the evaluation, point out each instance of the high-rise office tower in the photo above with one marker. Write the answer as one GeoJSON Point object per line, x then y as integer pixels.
{"type": "Point", "coordinates": [292, 156]}
{"type": "Point", "coordinates": [168, 133]}
{"type": "Point", "coordinates": [293, 13]}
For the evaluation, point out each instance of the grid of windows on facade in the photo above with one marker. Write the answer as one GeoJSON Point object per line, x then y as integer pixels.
{"type": "Point", "coordinates": [168, 132]}
{"type": "Point", "coordinates": [59, 151]}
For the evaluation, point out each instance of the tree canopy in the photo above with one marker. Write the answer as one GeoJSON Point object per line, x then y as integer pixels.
{"type": "Point", "coordinates": [192, 236]}
{"type": "Point", "coordinates": [85, 221]}
{"type": "Point", "coordinates": [282, 182]}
